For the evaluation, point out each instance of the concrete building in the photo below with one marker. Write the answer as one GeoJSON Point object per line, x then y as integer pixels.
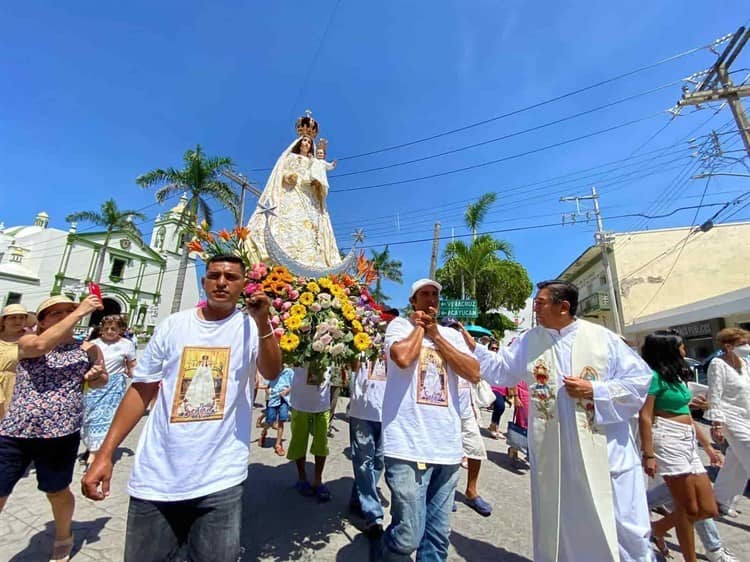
{"type": "Point", "coordinates": [694, 283]}
{"type": "Point", "coordinates": [138, 279]}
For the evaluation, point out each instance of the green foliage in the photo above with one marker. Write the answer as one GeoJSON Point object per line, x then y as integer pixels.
{"type": "Point", "coordinates": [386, 268]}
{"type": "Point", "coordinates": [110, 217]}
{"type": "Point", "coordinates": [484, 269]}
{"type": "Point", "coordinates": [497, 323]}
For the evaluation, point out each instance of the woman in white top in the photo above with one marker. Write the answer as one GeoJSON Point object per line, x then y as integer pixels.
{"type": "Point", "coordinates": [729, 411]}
{"type": "Point", "coordinates": [101, 404]}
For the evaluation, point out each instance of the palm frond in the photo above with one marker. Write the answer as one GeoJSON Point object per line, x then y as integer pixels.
{"type": "Point", "coordinates": [86, 216]}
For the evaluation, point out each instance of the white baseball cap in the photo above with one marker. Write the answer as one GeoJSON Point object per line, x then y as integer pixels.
{"type": "Point", "coordinates": [424, 283]}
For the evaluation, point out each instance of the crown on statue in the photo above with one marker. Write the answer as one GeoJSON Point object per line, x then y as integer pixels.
{"type": "Point", "coordinates": [307, 126]}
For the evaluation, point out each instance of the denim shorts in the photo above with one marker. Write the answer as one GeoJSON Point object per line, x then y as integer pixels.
{"type": "Point", "coordinates": [54, 459]}
{"type": "Point", "coordinates": [277, 413]}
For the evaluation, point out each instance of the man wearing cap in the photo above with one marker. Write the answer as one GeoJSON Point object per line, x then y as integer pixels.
{"type": "Point", "coordinates": [14, 320]}
{"type": "Point", "coordinates": [422, 426]}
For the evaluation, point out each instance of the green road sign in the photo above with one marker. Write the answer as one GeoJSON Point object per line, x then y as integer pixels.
{"type": "Point", "coordinates": [458, 308]}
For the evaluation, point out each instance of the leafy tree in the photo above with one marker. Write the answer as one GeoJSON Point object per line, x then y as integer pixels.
{"type": "Point", "coordinates": [200, 180]}
{"type": "Point", "coordinates": [386, 268]}
{"type": "Point", "coordinates": [486, 266]}
{"type": "Point", "coordinates": [112, 218]}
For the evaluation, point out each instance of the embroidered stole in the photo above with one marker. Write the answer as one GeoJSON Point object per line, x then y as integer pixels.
{"type": "Point", "coordinates": [589, 358]}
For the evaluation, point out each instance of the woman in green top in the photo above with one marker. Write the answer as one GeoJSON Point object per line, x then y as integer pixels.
{"type": "Point", "coordinates": [668, 437]}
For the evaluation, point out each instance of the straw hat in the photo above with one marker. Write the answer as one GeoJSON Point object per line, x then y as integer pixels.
{"type": "Point", "coordinates": [19, 309]}
{"type": "Point", "coordinates": [52, 301]}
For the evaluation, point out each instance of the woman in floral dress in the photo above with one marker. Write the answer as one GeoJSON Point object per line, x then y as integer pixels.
{"type": "Point", "coordinates": [44, 417]}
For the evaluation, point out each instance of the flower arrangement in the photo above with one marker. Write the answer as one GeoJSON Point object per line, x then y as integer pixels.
{"type": "Point", "coordinates": [319, 322]}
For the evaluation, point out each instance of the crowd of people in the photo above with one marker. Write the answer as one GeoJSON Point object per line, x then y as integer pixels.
{"type": "Point", "coordinates": [595, 423]}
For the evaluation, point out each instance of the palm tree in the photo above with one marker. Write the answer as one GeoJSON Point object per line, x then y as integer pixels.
{"type": "Point", "coordinates": [200, 180]}
{"type": "Point", "coordinates": [471, 261]}
{"type": "Point", "coordinates": [112, 218]}
{"type": "Point", "coordinates": [476, 212]}
{"type": "Point", "coordinates": [386, 268]}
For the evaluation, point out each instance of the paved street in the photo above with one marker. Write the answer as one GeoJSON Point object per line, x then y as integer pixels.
{"type": "Point", "coordinates": [281, 525]}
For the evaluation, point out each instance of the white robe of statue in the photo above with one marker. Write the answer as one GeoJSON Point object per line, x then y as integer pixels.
{"type": "Point", "coordinates": [301, 225]}
{"type": "Point", "coordinates": [587, 484]}
{"type": "Point", "coordinates": [201, 390]}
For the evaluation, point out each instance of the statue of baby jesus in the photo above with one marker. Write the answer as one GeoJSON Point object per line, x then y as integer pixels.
{"type": "Point", "coordinates": [318, 171]}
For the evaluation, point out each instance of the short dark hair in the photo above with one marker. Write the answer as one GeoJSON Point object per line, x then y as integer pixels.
{"type": "Point", "coordinates": [661, 350]}
{"type": "Point", "coordinates": [561, 290]}
{"type": "Point", "coordinates": [231, 258]}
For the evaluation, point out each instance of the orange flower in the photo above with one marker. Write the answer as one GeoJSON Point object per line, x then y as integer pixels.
{"type": "Point", "coordinates": [242, 232]}
{"type": "Point", "coordinates": [224, 234]}
{"type": "Point", "coordinates": [195, 246]}
{"type": "Point", "coordinates": [274, 278]}
{"type": "Point", "coordinates": [281, 271]}
{"type": "Point", "coordinates": [278, 288]}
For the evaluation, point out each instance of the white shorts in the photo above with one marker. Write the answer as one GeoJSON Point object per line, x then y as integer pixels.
{"type": "Point", "coordinates": [675, 448]}
{"type": "Point", "coordinates": [471, 439]}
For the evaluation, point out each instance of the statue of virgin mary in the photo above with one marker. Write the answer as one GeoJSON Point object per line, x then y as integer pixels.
{"type": "Point", "coordinates": [298, 220]}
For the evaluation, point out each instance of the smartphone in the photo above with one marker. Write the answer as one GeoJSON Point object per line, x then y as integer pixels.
{"type": "Point", "coordinates": [95, 290]}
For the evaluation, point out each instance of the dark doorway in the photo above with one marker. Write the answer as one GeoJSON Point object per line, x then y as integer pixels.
{"type": "Point", "coordinates": [111, 306]}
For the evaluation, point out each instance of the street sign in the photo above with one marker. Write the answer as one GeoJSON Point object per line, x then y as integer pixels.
{"type": "Point", "coordinates": [458, 308]}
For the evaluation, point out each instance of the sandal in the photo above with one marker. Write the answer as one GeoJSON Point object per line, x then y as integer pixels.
{"type": "Point", "coordinates": [661, 546]}
{"type": "Point", "coordinates": [61, 550]}
{"type": "Point", "coordinates": [323, 493]}
{"type": "Point", "coordinates": [304, 488]}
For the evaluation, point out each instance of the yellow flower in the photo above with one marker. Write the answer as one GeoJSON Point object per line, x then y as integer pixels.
{"type": "Point", "coordinates": [362, 341]}
{"type": "Point", "coordinates": [313, 287]}
{"type": "Point", "coordinates": [293, 322]}
{"type": "Point", "coordinates": [349, 313]}
{"type": "Point", "coordinates": [289, 342]}
{"type": "Point", "coordinates": [307, 298]}
{"type": "Point", "coordinates": [325, 282]}
{"type": "Point", "coordinates": [356, 325]}
{"type": "Point", "coordinates": [298, 310]}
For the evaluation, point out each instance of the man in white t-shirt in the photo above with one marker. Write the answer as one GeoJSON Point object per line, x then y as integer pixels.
{"type": "Point", "coordinates": [422, 427]}
{"type": "Point", "coordinates": [192, 456]}
{"type": "Point", "coordinates": [366, 389]}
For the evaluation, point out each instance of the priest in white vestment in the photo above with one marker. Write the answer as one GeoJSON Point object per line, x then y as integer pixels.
{"type": "Point", "coordinates": [585, 385]}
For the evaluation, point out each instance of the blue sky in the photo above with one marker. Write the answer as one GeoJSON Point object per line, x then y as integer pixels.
{"type": "Point", "coordinates": [95, 93]}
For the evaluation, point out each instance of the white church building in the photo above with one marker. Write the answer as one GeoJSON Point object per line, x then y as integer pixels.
{"type": "Point", "coordinates": [138, 279]}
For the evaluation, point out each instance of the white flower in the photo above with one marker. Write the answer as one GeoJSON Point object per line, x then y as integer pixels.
{"type": "Point", "coordinates": [336, 303]}
{"type": "Point", "coordinates": [318, 346]}
{"type": "Point", "coordinates": [338, 349]}
{"type": "Point", "coordinates": [315, 307]}
{"type": "Point", "coordinates": [325, 339]}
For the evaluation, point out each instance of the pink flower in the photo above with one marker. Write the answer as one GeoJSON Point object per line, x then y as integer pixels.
{"type": "Point", "coordinates": [277, 302]}
{"type": "Point", "coordinates": [278, 332]}
{"type": "Point", "coordinates": [275, 320]}
{"type": "Point", "coordinates": [254, 275]}
{"type": "Point", "coordinates": [285, 316]}
{"type": "Point", "coordinates": [294, 295]}
{"type": "Point", "coordinates": [250, 288]}
{"type": "Point", "coordinates": [286, 306]}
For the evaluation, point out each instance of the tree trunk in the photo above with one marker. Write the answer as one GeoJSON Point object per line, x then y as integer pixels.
{"type": "Point", "coordinates": [102, 257]}
{"type": "Point", "coordinates": [180, 283]}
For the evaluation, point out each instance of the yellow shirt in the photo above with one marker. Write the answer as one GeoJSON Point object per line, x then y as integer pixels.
{"type": "Point", "coordinates": [8, 362]}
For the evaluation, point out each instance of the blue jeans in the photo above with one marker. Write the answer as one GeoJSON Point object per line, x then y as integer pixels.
{"type": "Point", "coordinates": [421, 505]}
{"type": "Point", "coordinates": [498, 407]}
{"type": "Point", "coordinates": [209, 526]}
{"type": "Point", "coordinates": [706, 528]}
{"type": "Point", "coordinates": [368, 464]}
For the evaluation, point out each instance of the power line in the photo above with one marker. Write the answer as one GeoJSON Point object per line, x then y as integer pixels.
{"type": "Point", "coordinates": [537, 105]}
{"type": "Point", "coordinates": [503, 159]}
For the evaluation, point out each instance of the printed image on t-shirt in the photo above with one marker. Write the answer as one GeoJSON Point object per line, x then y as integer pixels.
{"type": "Point", "coordinates": [201, 384]}
{"type": "Point", "coordinates": [432, 378]}
{"type": "Point", "coordinates": [377, 370]}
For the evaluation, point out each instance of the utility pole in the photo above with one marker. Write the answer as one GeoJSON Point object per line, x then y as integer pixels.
{"type": "Point", "coordinates": [603, 240]}
{"type": "Point", "coordinates": [717, 85]}
{"type": "Point", "coordinates": [245, 186]}
{"type": "Point", "coordinates": [435, 243]}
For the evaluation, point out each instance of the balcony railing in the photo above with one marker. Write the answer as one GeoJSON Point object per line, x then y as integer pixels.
{"type": "Point", "coordinates": [595, 302]}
